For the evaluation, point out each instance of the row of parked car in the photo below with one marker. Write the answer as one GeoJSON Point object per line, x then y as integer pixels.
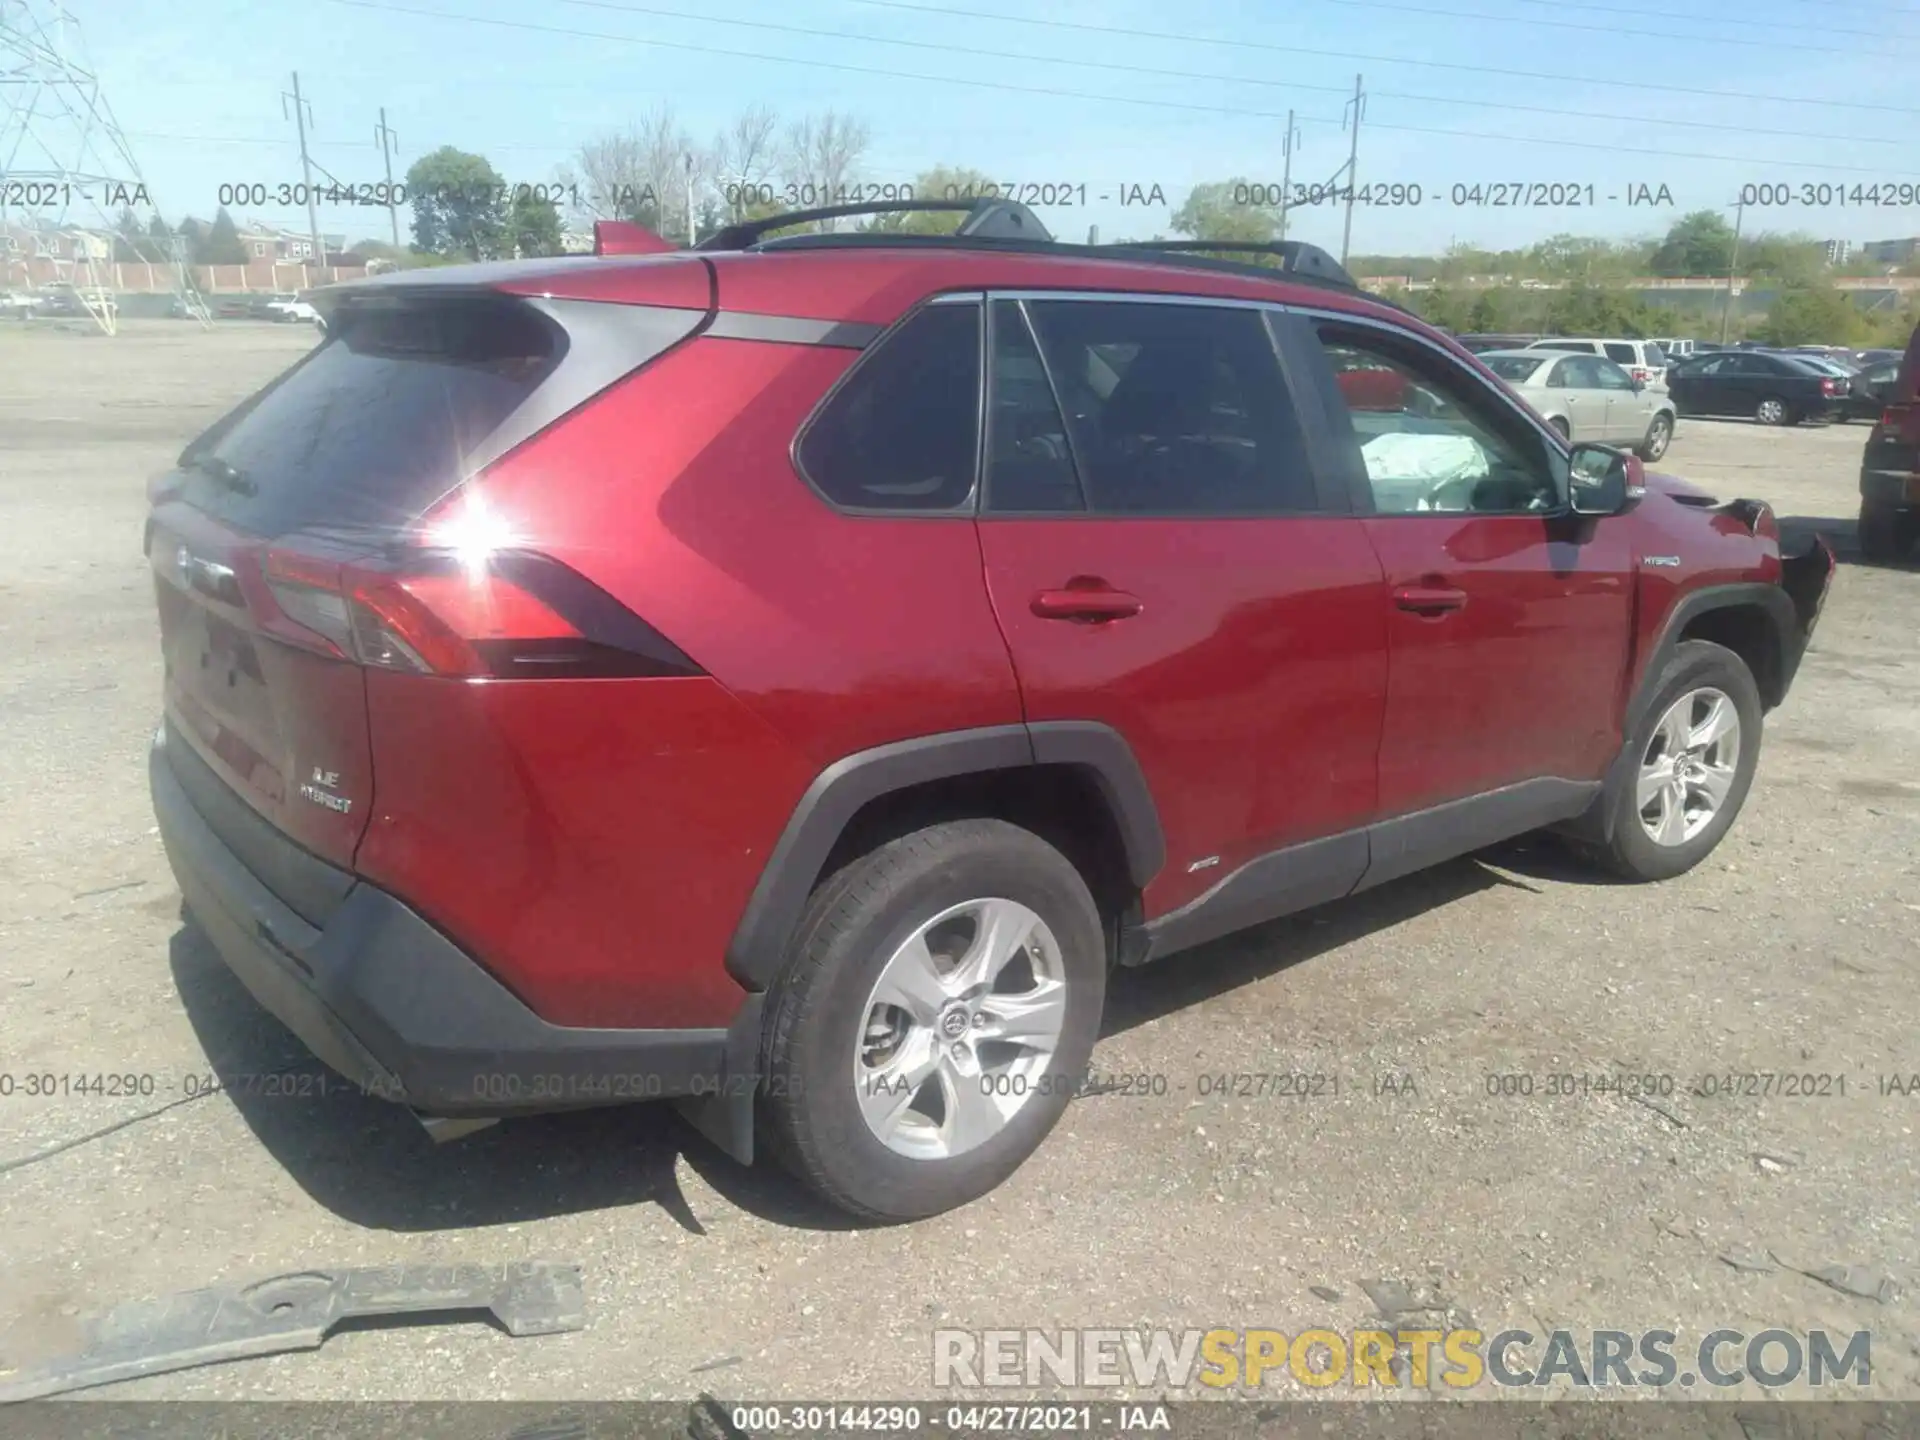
{"type": "Point", "coordinates": [1773, 386]}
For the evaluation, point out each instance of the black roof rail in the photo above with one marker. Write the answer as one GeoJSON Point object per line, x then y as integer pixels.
{"type": "Point", "coordinates": [1297, 257]}
{"type": "Point", "coordinates": [986, 219]}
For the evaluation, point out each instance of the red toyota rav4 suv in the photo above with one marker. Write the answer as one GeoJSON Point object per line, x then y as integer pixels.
{"type": "Point", "coordinates": [786, 675]}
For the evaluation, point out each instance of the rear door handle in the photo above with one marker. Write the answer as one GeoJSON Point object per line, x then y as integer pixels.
{"type": "Point", "coordinates": [1432, 601]}
{"type": "Point", "coordinates": [1085, 605]}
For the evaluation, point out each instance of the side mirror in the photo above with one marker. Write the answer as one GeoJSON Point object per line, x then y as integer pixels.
{"type": "Point", "coordinates": [1603, 479]}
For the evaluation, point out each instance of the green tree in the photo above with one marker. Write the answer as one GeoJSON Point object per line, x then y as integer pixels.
{"type": "Point", "coordinates": [1698, 244]}
{"type": "Point", "coordinates": [1583, 309]}
{"type": "Point", "coordinates": [1220, 210]}
{"type": "Point", "coordinates": [1811, 315]}
{"type": "Point", "coordinates": [221, 245]}
{"type": "Point", "coordinates": [1444, 306]}
{"type": "Point", "coordinates": [1494, 312]}
{"type": "Point", "coordinates": [942, 182]}
{"type": "Point", "coordinates": [1793, 259]}
{"type": "Point", "coordinates": [458, 205]}
{"type": "Point", "coordinates": [533, 225]}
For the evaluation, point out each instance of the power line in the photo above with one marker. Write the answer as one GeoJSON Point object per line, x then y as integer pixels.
{"type": "Point", "coordinates": [1613, 9]}
{"type": "Point", "coordinates": [839, 65]}
{"type": "Point", "coordinates": [1213, 79]}
{"type": "Point", "coordinates": [1722, 39]}
{"type": "Point", "coordinates": [1557, 77]}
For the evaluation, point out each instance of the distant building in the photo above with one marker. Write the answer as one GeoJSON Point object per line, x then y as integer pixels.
{"type": "Point", "coordinates": [270, 242]}
{"type": "Point", "coordinates": [1839, 251]}
{"type": "Point", "coordinates": [1891, 252]}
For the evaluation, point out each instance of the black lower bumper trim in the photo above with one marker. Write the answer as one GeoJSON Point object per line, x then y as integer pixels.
{"type": "Point", "coordinates": [391, 1003]}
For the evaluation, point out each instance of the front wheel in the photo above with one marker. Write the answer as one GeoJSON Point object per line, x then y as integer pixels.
{"type": "Point", "coordinates": [1691, 760]}
{"type": "Point", "coordinates": [940, 997]}
{"type": "Point", "coordinates": [1659, 435]}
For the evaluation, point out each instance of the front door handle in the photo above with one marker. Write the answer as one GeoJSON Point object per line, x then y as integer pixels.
{"type": "Point", "coordinates": [1088, 604]}
{"type": "Point", "coordinates": [1431, 601]}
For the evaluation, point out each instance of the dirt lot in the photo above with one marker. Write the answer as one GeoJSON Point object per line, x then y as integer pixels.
{"type": "Point", "coordinates": [1793, 949]}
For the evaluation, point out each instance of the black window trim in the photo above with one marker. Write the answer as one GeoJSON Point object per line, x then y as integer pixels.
{"type": "Point", "coordinates": [1331, 499]}
{"type": "Point", "coordinates": [1334, 457]}
{"type": "Point", "coordinates": [969, 507]}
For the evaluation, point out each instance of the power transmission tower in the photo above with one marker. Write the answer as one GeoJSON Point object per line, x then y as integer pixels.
{"type": "Point", "coordinates": [1358, 106]}
{"type": "Point", "coordinates": [389, 142]}
{"type": "Point", "coordinates": [302, 112]}
{"type": "Point", "coordinates": [66, 165]}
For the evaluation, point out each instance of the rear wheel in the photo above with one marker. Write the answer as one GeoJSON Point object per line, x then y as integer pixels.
{"type": "Point", "coordinates": [939, 996]}
{"type": "Point", "coordinates": [1773, 411]}
{"type": "Point", "coordinates": [1659, 435]}
{"type": "Point", "coordinates": [1887, 532]}
{"type": "Point", "coordinates": [1693, 756]}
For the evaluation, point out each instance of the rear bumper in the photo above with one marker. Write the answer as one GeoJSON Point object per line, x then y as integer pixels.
{"type": "Point", "coordinates": [395, 1006]}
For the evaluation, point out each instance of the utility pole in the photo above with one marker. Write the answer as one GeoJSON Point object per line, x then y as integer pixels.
{"type": "Point", "coordinates": [1359, 104]}
{"type": "Point", "coordinates": [389, 142]}
{"type": "Point", "coordinates": [300, 112]}
{"type": "Point", "coordinates": [1726, 307]}
{"type": "Point", "coordinates": [1286, 174]}
{"type": "Point", "coordinates": [692, 238]}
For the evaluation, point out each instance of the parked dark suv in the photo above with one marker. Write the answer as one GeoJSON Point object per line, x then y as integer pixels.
{"type": "Point", "coordinates": [1890, 468]}
{"type": "Point", "coordinates": [787, 675]}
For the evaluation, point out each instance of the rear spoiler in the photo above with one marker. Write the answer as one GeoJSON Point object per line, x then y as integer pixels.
{"type": "Point", "coordinates": [627, 237]}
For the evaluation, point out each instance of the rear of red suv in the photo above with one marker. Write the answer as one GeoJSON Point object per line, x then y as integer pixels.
{"type": "Point", "coordinates": [451, 807]}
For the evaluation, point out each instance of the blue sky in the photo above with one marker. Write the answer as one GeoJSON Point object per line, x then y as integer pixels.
{"type": "Point", "coordinates": [197, 84]}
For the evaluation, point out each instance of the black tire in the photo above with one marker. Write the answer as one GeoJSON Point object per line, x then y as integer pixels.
{"type": "Point", "coordinates": [1629, 850]}
{"type": "Point", "coordinates": [854, 922]}
{"type": "Point", "coordinates": [1784, 416]}
{"type": "Point", "coordinates": [1886, 531]}
{"type": "Point", "coordinates": [1659, 435]}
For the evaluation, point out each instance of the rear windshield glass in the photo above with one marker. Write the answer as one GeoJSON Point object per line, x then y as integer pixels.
{"type": "Point", "coordinates": [1656, 354]}
{"type": "Point", "coordinates": [371, 428]}
{"type": "Point", "coordinates": [1515, 368]}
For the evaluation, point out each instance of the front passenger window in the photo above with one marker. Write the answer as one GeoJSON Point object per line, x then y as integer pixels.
{"type": "Point", "coordinates": [1431, 437]}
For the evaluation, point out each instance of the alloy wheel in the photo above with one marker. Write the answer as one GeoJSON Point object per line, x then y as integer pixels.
{"type": "Point", "coordinates": [1770, 412]}
{"type": "Point", "coordinates": [1689, 766]}
{"type": "Point", "coordinates": [960, 1028]}
{"type": "Point", "coordinates": [1658, 436]}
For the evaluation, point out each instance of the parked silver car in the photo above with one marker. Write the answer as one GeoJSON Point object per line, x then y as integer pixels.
{"type": "Point", "coordinates": [1586, 397]}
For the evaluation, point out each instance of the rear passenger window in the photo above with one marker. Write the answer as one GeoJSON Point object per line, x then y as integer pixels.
{"type": "Point", "coordinates": [1168, 410]}
{"type": "Point", "coordinates": [903, 431]}
{"type": "Point", "coordinates": [1621, 354]}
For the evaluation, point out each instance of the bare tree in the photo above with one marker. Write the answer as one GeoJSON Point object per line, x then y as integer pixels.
{"type": "Point", "coordinates": [642, 173]}
{"type": "Point", "coordinates": [822, 157]}
{"type": "Point", "coordinates": [744, 159]}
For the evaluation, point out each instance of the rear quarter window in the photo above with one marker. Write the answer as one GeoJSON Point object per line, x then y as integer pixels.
{"type": "Point", "coordinates": [902, 430]}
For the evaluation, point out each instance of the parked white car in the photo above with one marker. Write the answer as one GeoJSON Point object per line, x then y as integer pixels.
{"type": "Point", "coordinates": [293, 310]}
{"type": "Point", "coordinates": [1644, 360]}
{"type": "Point", "coordinates": [1586, 397]}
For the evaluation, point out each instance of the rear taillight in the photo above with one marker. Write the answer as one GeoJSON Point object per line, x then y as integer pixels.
{"type": "Point", "coordinates": [511, 614]}
{"type": "Point", "coordinates": [1641, 374]}
{"type": "Point", "coordinates": [1829, 387]}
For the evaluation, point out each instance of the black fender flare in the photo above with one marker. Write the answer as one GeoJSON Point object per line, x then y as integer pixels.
{"type": "Point", "coordinates": [1786, 631]}
{"type": "Point", "coordinates": [1783, 626]}
{"type": "Point", "coordinates": [838, 793]}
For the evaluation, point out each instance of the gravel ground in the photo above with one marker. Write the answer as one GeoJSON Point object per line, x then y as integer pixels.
{"type": "Point", "coordinates": [1792, 949]}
